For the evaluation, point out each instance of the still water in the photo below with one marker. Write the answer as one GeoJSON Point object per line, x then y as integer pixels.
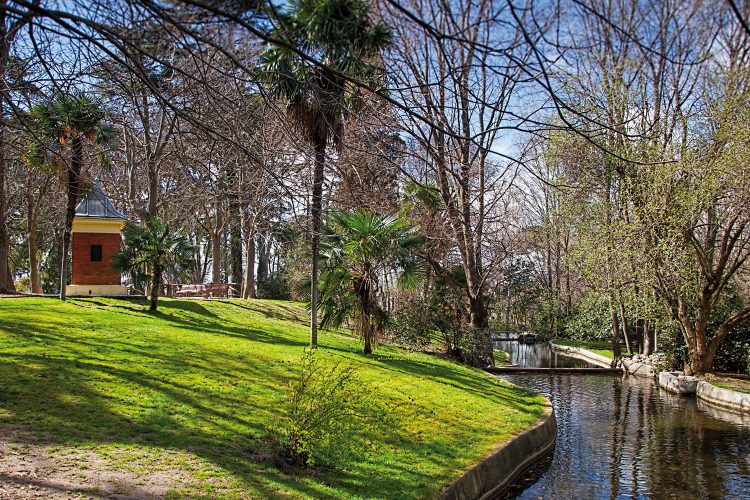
{"type": "Point", "coordinates": [625, 438]}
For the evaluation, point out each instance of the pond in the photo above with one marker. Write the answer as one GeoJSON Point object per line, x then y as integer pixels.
{"type": "Point", "coordinates": [625, 438]}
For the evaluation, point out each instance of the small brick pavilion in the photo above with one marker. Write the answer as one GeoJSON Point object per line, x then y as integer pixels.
{"type": "Point", "coordinates": [96, 239]}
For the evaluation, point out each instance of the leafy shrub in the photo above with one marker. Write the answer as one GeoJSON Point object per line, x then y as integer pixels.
{"type": "Point", "coordinates": [475, 347]}
{"type": "Point", "coordinates": [328, 416]}
{"type": "Point", "coordinates": [275, 286]}
{"type": "Point", "coordinates": [23, 284]}
{"type": "Point", "coordinates": [591, 320]}
{"type": "Point", "coordinates": [671, 342]}
{"type": "Point", "coordinates": [734, 353]}
{"type": "Point", "coordinates": [413, 323]}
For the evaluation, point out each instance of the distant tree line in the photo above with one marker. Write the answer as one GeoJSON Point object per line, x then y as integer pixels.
{"type": "Point", "coordinates": [576, 168]}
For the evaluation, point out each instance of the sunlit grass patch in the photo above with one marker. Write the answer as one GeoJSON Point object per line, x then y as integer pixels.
{"type": "Point", "coordinates": [194, 387]}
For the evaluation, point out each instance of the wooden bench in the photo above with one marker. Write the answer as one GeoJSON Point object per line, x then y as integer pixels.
{"type": "Point", "coordinates": [190, 290]}
{"type": "Point", "coordinates": [217, 290]}
{"type": "Point", "coordinates": [206, 290]}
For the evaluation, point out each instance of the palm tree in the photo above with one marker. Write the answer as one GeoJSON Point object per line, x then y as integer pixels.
{"type": "Point", "coordinates": [363, 247]}
{"type": "Point", "coordinates": [342, 37]}
{"type": "Point", "coordinates": [66, 121]}
{"type": "Point", "coordinates": [150, 250]}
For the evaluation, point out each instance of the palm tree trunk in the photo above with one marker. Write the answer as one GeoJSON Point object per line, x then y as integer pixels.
{"type": "Point", "coordinates": [73, 186]}
{"type": "Point", "coordinates": [155, 286]}
{"type": "Point", "coordinates": [367, 334]}
{"type": "Point", "coordinates": [316, 213]}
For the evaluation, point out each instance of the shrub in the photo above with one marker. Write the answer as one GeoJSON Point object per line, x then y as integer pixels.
{"type": "Point", "coordinates": [734, 353]}
{"type": "Point", "coordinates": [328, 416]}
{"type": "Point", "coordinates": [671, 342]}
{"type": "Point", "coordinates": [275, 286]}
{"type": "Point", "coordinates": [591, 320]}
{"type": "Point", "coordinates": [413, 324]}
{"type": "Point", "coordinates": [475, 347]}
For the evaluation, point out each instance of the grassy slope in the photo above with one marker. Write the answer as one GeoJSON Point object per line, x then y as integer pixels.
{"type": "Point", "coordinates": [194, 386]}
{"type": "Point", "coordinates": [601, 348]}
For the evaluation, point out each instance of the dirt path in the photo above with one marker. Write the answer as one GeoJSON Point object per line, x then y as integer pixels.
{"type": "Point", "coordinates": [37, 470]}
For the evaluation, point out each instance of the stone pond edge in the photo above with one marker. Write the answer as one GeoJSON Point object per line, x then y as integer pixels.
{"type": "Point", "coordinates": [584, 354]}
{"type": "Point", "coordinates": [723, 398]}
{"type": "Point", "coordinates": [490, 477]}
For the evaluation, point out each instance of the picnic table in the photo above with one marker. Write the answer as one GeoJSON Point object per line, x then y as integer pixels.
{"type": "Point", "coordinates": [205, 290]}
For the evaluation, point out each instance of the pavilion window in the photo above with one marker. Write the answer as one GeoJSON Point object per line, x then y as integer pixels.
{"type": "Point", "coordinates": [96, 253]}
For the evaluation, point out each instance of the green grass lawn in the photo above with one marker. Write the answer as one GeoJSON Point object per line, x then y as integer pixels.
{"type": "Point", "coordinates": [190, 391]}
{"type": "Point", "coordinates": [598, 347]}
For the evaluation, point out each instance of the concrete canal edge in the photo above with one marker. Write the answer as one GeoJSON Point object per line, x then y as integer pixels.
{"type": "Point", "coordinates": [490, 477]}
{"type": "Point", "coordinates": [584, 354]}
{"type": "Point", "coordinates": [723, 398]}
{"type": "Point", "coordinates": [638, 369]}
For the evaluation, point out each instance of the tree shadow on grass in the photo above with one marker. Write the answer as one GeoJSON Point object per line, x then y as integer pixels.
{"type": "Point", "coordinates": [197, 320]}
{"type": "Point", "coordinates": [101, 390]}
{"type": "Point", "coordinates": [280, 311]}
{"type": "Point", "coordinates": [501, 393]}
{"type": "Point", "coordinates": [59, 400]}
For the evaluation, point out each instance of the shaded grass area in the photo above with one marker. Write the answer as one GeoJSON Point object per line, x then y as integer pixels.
{"type": "Point", "coordinates": [599, 347]}
{"type": "Point", "coordinates": [201, 381]}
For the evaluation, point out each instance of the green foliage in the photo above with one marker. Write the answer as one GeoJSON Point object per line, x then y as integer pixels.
{"type": "Point", "coordinates": [447, 314]}
{"type": "Point", "coordinates": [55, 122]}
{"type": "Point", "coordinates": [275, 286]}
{"type": "Point", "coordinates": [360, 246]}
{"type": "Point", "coordinates": [342, 35]}
{"type": "Point", "coordinates": [591, 320]}
{"type": "Point", "coordinates": [412, 325]}
{"type": "Point", "coordinates": [330, 416]}
{"type": "Point", "coordinates": [734, 353]}
{"type": "Point", "coordinates": [672, 343]}
{"type": "Point", "coordinates": [150, 249]}
{"type": "Point", "coordinates": [475, 347]}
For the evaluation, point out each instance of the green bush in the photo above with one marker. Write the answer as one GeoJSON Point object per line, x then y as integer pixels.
{"type": "Point", "coordinates": [672, 343]}
{"type": "Point", "coordinates": [475, 347]}
{"type": "Point", "coordinates": [591, 320]}
{"type": "Point", "coordinates": [734, 353]}
{"type": "Point", "coordinates": [413, 323]}
{"type": "Point", "coordinates": [275, 287]}
{"type": "Point", "coordinates": [328, 417]}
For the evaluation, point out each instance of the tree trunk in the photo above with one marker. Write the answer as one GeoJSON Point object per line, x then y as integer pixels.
{"type": "Point", "coordinates": [648, 338]}
{"type": "Point", "coordinates": [235, 244]}
{"type": "Point", "coordinates": [249, 291]}
{"type": "Point", "coordinates": [73, 187]}
{"type": "Point", "coordinates": [31, 219]}
{"type": "Point", "coordinates": [153, 188]}
{"type": "Point", "coordinates": [624, 318]}
{"type": "Point", "coordinates": [263, 257]}
{"type": "Point", "coordinates": [478, 312]}
{"type": "Point", "coordinates": [615, 332]}
{"type": "Point", "coordinates": [316, 214]}
{"type": "Point", "coordinates": [367, 349]}
{"type": "Point", "coordinates": [216, 257]}
{"type": "Point", "coordinates": [155, 286]}
{"type": "Point", "coordinates": [6, 280]}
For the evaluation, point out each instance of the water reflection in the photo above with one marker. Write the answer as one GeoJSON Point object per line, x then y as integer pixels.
{"type": "Point", "coordinates": [533, 355]}
{"type": "Point", "coordinates": [624, 438]}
